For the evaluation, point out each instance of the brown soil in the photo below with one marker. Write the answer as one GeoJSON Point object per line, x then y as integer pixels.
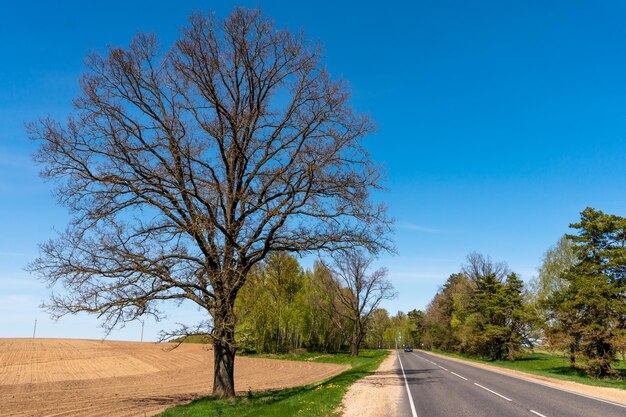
{"type": "Point", "coordinates": [64, 377]}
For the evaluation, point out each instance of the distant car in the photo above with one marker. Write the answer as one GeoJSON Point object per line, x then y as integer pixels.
{"type": "Point", "coordinates": [408, 348]}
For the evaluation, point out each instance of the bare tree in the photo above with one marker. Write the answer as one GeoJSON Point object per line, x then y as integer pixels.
{"type": "Point", "coordinates": [183, 169]}
{"type": "Point", "coordinates": [479, 265]}
{"type": "Point", "coordinates": [358, 291]}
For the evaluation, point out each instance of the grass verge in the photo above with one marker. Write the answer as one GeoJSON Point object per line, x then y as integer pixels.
{"type": "Point", "coordinates": [314, 400]}
{"type": "Point", "coordinates": [553, 366]}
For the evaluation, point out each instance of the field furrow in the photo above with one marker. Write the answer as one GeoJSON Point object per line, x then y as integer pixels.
{"type": "Point", "coordinates": [60, 377]}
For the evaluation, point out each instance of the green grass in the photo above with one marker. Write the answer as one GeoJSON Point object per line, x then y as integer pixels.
{"type": "Point", "coordinates": [553, 366]}
{"type": "Point", "coordinates": [314, 400]}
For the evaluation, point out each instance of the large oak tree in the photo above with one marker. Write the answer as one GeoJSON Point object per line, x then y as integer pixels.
{"type": "Point", "coordinates": [184, 168]}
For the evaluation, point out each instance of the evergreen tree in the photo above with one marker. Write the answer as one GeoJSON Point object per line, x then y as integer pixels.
{"type": "Point", "coordinates": [591, 311]}
{"type": "Point", "coordinates": [498, 321]}
{"type": "Point", "coordinates": [487, 319]}
{"type": "Point", "coordinates": [520, 315]}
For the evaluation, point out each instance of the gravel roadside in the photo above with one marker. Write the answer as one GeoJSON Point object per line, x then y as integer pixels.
{"type": "Point", "coordinates": [376, 395]}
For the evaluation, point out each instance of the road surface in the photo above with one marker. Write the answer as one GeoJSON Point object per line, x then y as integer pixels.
{"type": "Point", "coordinates": [441, 387]}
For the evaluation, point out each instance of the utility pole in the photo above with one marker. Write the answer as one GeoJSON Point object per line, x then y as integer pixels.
{"type": "Point", "coordinates": [142, 323]}
{"type": "Point", "coordinates": [35, 328]}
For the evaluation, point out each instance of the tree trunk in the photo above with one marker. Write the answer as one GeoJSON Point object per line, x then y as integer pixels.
{"type": "Point", "coordinates": [354, 349]}
{"type": "Point", "coordinates": [572, 356]}
{"type": "Point", "coordinates": [224, 348]}
{"type": "Point", "coordinates": [605, 355]}
{"type": "Point", "coordinates": [356, 340]}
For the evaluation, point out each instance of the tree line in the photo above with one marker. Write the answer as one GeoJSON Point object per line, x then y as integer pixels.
{"type": "Point", "coordinates": [328, 308]}
{"type": "Point", "coordinates": [285, 307]}
{"type": "Point", "coordinates": [482, 310]}
{"type": "Point", "coordinates": [577, 304]}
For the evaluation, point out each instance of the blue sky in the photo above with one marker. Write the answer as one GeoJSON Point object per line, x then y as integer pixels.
{"type": "Point", "coordinates": [498, 122]}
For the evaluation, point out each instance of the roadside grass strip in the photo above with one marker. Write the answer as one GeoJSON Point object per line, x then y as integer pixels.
{"type": "Point", "coordinates": [314, 400]}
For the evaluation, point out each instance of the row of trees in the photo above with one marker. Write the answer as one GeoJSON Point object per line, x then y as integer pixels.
{"type": "Point", "coordinates": [577, 304]}
{"type": "Point", "coordinates": [480, 310]}
{"type": "Point", "coordinates": [283, 307]}
{"type": "Point", "coordinates": [389, 332]}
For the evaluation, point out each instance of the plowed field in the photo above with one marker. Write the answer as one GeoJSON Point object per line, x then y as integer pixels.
{"type": "Point", "coordinates": [64, 377]}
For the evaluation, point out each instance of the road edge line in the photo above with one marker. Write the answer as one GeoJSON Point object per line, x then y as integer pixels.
{"type": "Point", "coordinates": [408, 391]}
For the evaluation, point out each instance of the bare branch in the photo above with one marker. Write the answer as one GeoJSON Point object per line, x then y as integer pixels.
{"type": "Point", "coordinates": [358, 291]}
{"type": "Point", "coordinates": [183, 169]}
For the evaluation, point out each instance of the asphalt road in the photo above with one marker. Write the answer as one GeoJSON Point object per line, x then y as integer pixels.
{"type": "Point", "coordinates": [441, 387]}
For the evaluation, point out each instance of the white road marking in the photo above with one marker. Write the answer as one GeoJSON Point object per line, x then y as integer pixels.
{"type": "Point", "coordinates": [538, 383]}
{"type": "Point", "coordinates": [462, 377]}
{"type": "Point", "coordinates": [406, 383]}
{"type": "Point", "coordinates": [436, 364]}
{"type": "Point", "coordinates": [539, 414]}
{"type": "Point", "coordinates": [563, 389]}
{"type": "Point", "coordinates": [493, 392]}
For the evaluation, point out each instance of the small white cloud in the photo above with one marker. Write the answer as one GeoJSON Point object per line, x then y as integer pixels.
{"type": "Point", "coordinates": [417, 228]}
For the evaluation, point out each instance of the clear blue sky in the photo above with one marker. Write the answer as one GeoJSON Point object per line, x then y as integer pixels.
{"type": "Point", "coordinates": [498, 123]}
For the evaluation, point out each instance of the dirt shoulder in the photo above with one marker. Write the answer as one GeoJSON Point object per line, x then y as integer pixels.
{"type": "Point", "coordinates": [608, 394]}
{"type": "Point", "coordinates": [375, 395]}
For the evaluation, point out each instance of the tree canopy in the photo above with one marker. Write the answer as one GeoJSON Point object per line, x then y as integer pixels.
{"type": "Point", "coordinates": [589, 313]}
{"type": "Point", "coordinates": [183, 169]}
{"type": "Point", "coordinates": [481, 311]}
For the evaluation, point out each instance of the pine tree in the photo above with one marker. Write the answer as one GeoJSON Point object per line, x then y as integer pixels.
{"type": "Point", "coordinates": [591, 311]}
{"type": "Point", "coordinates": [499, 321]}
